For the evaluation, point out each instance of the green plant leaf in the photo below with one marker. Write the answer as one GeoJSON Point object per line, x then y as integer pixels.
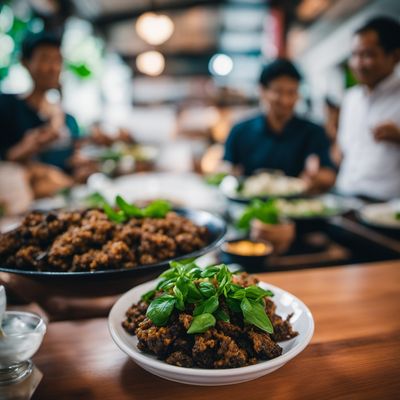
{"type": "Point", "coordinates": [182, 283]}
{"type": "Point", "coordinates": [206, 306]}
{"type": "Point", "coordinates": [193, 295]}
{"type": "Point", "coordinates": [129, 209]}
{"type": "Point", "coordinates": [157, 209]}
{"type": "Point", "coordinates": [221, 315]}
{"type": "Point", "coordinates": [148, 296]}
{"type": "Point", "coordinates": [233, 304]}
{"type": "Point", "coordinates": [210, 271]}
{"type": "Point", "coordinates": [265, 211]}
{"type": "Point", "coordinates": [256, 292]}
{"type": "Point", "coordinates": [166, 284]}
{"type": "Point", "coordinates": [254, 313]}
{"type": "Point", "coordinates": [207, 289]}
{"type": "Point", "coordinates": [160, 309]}
{"type": "Point", "coordinates": [179, 304]}
{"type": "Point", "coordinates": [239, 294]}
{"type": "Point", "coordinates": [201, 323]}
{"type": "Point", "coordinates": [116, 216]}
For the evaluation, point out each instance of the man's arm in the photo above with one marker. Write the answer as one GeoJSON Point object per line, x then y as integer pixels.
{"type": "Point", "coordinates": [33, 142]}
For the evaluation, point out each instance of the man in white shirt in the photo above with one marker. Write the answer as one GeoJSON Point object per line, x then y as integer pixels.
{"type": "Point", "coordinates": [369, 128]}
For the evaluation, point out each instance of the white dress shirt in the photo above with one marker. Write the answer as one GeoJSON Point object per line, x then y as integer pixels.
{"type": "Point", "coordinates": [370, 168]}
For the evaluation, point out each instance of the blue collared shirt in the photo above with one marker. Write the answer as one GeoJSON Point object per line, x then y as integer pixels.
{"type": "Point", "coordinates": [253, 145]}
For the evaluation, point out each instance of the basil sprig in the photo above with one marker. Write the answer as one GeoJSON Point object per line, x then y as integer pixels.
{"type": "Point", "coordinates": [185, 283]}
{"type": "Point", "coordinates": [155, 209]}
{"type": "Point", "coordinates": [264, 211]}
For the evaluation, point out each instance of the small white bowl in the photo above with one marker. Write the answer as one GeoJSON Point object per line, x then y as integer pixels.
{"type": "Point", "coordinates": [302, 322]}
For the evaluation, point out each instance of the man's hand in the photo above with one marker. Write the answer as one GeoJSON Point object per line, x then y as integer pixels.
{"type": "Point", "coordinates": [387, 131]}
{"type": "Point", "coordinates": [317, 179]}
{"type": "Point", "coordinates": [34, 141]}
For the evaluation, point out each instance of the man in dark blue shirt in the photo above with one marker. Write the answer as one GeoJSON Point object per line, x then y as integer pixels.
{"type": "Point", "coordinates": [31, 128]}
{"type": "Point", "coordinates": [277, 139]}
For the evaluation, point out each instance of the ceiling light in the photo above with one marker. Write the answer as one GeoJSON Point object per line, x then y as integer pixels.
{"type": "Point", "coordinates": [150, 63]}
{"type": "Point", "coordinates": [220, 64]}
{"type": "Point", "coordinates": [155, 29]}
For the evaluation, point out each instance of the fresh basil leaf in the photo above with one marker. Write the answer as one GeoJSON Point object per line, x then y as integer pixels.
{"type": "Point", "coordinates": [166, 284]}
{"type": "Point", "coordinates": [234, 288]}
{"type": "Point", "coordinates": [256, 292]}
{"type": "Point", "coordinates": [193, 294]}
{"type": "Point", "coordinates": [239, 294]}
{"type": "Point", "coordinates": [182, 283]}
{"type": "Point", "coordinates": [168, 274]}
{"type": "Point", "coordinates": [195, 272]}
{"type": "Point", "coordinates": [179, 304]}
{"type": "Point", "coordinates": [224, 274]}
{"type": "Point", "coordinates": [201, 323]}
{"type": "Point", "coordinates": [160, 309]}
{"type": "Point", "coordinates": [95, 200]}
{"type": "Point", "coordinates": [221, 315]}
{"type": "Point", "coordinates": [265, 211]}
{"type": "Point", "coordinates": [148, 296]}
{"type": "Point", "coordinates": [157, 209]}
{"type": "Point", "coordinates": [254, 313]}
{"type": "Point", "coordinates": [245, 219]}
{"type": "Point", "coordinates": [129, 209]}
{"type": "Point", "coordinates": [207, 289]}
{"type": "Point", "coordinates": [189, 264]}
{"type": "Point", "coordinates": [116, 216]}
{"type": "Point", "coordinates": [206, 306]}
{"type": "Point", "coordinates": [233, 304]}
{"type": "Point", "coordinates": [210, 271]}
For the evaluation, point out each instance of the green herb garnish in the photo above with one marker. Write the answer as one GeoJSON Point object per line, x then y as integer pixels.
{"type": "Point", "coordinates": [156, 209]}
{"type": "Point", "coordinates": [185, 283]}
{"type": "Point", "coordinates": [215, 179]}
{"type": "Point", "coordinates": [265, 211]}
{"type": "Point", "coordinates": [397, 215]}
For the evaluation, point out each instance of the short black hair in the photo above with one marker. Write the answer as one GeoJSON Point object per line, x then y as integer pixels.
{"type": "Point", "coordinates": [34, 40]}
{"type": "Point", "coordinates": [387, 29]}
{"type": "Point", "coordinates": [277, 68]}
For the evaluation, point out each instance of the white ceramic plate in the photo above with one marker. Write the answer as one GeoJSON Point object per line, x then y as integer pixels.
{"type": "Point", "coordinates": [381, 215]}
{"type": "Point", "coordinates": [302, 322]}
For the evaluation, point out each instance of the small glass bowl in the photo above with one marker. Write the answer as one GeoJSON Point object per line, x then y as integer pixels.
{"type": "Point", "coordinates": [23, 335]}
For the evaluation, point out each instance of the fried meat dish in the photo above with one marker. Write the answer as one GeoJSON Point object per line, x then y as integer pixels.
{"type": "Point", "coordinates": [89, 241]}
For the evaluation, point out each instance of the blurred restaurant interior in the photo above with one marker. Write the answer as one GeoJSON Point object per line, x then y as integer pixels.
{"type": "Point", "coordinates": [271, 127]}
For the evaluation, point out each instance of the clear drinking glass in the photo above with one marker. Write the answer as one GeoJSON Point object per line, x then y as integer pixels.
{"type": "Point", "coordinates": [21, 336]}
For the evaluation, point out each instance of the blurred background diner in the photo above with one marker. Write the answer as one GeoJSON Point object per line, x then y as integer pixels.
{"type": "Point", "coordinates": [133, 86]}
{"type": "Point", "coordinates": [209, 104]}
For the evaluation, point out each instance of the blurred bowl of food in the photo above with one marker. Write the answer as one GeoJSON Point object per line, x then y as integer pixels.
{"type": "Point", "coordinates": [263, 186]}
{"type": "Point", "coordinates": [313, 213]}
{"type": "Point", "coordinates": [383, 216]}
{"type": "Point", "coordinates": [251, 254]}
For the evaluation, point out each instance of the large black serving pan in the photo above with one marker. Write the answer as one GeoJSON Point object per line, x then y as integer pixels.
{"type": "Point", "coordinates": [114, 281]}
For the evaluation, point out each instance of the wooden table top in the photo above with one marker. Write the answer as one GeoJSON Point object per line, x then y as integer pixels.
{"type": "Point", "coordinates": [354, 354]}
